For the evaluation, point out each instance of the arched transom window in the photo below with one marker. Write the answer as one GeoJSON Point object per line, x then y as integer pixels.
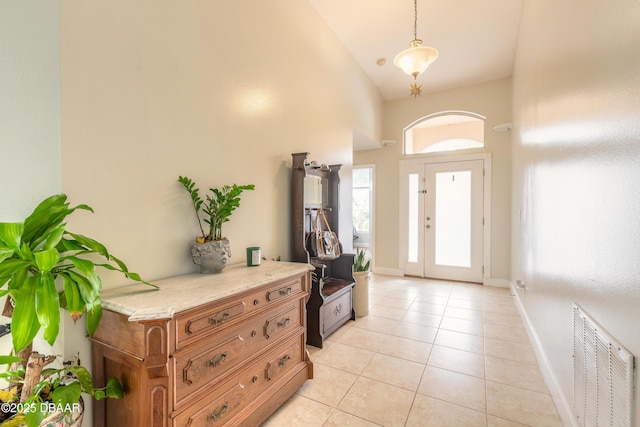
{"type": "Point", "coordinates": [446, 131]}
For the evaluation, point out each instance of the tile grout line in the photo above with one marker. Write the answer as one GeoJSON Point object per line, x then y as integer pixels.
{"type": "Point", "coordinates": [474, 300]}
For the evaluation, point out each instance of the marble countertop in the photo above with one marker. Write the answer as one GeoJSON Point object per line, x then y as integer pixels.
{"type": "Point", "coordinates": [176, 294]}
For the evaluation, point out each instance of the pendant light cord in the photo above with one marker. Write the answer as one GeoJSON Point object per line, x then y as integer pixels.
{"type": "Point", "coordinates": [415, 19]}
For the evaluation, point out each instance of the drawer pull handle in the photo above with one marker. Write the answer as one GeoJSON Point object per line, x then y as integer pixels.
{"type": "Point", "coordinates": [284, 360]}
{"type": "Point", "coordinates": [284, 322]}
{"type": "Point", "coordinates": [285, 291]}
{"type": "Point", "coordinates": [338, 310]}
{"type": "Point", "coordinates": [218, 413]}
{"type": "Point", "coordinates": [219, 318]}
{"type": "Point", "coordinates": [218, 360]}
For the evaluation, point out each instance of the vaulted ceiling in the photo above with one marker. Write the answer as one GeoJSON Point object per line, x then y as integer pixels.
{"type": "Point", "coordinates": [476, 40]}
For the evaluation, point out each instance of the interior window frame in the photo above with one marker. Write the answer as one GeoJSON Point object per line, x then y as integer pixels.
{"type": "Point", "coordinates": [409, 139]}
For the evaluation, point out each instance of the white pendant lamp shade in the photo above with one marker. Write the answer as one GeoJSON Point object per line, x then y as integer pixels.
{"type": "Point", "coordinates": [415, 60]}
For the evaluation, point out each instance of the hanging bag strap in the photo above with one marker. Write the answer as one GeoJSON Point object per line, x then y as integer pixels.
{"type": "Point", "coordinates": [324, 219]}
{"type": "Point", "coordinates": [315, 222]}
{"type": "Point", "coordinates": [327, 241]}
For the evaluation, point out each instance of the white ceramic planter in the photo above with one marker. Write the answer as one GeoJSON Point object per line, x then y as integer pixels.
{"type": "Point", "coordinates": [361, 293]}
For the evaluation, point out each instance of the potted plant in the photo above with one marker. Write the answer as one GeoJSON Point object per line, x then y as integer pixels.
{"type": "Point", "coordinates": [54, 401]}
{"type": "Point", "coordinates": [45, 267]}
{"type": "Point", "coordinates": [362, 275]}
{"type": "Point", "coordinates": [211, 251]}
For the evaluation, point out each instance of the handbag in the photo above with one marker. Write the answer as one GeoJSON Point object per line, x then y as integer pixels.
{"type": "Point", "coordinates": [322, 243]}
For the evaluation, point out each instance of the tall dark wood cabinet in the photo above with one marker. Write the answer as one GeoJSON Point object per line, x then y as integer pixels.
{"type": "Point", "coordinates": [315, 187]}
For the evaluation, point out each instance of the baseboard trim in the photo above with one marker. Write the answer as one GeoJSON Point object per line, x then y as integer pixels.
{"type": "Point", "coordinates": [498, 283]}
{"type": "Point", "coordinates": [562, 404]}
{"type": "Point", "coordinates": [388, 271]}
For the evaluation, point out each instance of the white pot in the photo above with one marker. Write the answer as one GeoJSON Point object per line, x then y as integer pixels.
{"type": "Point", "coordinates": [361, 293]}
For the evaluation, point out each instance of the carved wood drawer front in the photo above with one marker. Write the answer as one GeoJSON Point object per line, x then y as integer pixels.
{"type": "Point", "coordinates": [195, 325]}
{"type": "Point", "coordinates": [211, 362]}
{"type": "Point", "coordinates": [336, 311]}
{"type": "Point", "coordinates": [282, 322]}
{"type": "Point", "coordinates": [283, 290]}
{"type": "Point", "coordinates": [203, 365]}
{"type": "Point", "coordinates": [244, 387]}
{"type": "Point", "coordinates": [216, 413]}
{"type": "Point", "coordinates": [282, 362]}
{"type": "Point", "coordinates": [208, 321]}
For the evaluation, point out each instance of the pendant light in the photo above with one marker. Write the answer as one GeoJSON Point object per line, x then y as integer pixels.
{"type": "Point", "coordinates": [415, 60]}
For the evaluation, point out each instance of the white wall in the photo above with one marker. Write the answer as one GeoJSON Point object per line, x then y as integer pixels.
{"type": "Point", "coordinates": [30, 144]}
{"type": "Point", "coordinates": [222, 92]}
{"type": "Point", "coordinates": [492, 100]}
{"type": "Point", "coordinates": [30, 160]}
{"type": "Point", "coordinates": [576, 163]}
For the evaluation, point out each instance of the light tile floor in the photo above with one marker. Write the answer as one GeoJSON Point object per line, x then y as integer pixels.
{"type": "Point", "coordinates": [430, 353]}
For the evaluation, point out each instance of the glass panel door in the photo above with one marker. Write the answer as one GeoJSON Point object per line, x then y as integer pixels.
{"type": "Point", "coordinates": [453, 213]}
{"type": "Point", "coordinates": [453, 219]}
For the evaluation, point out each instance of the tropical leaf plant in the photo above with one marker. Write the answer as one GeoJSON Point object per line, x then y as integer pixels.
{"type": "Point", "coordinates": [43, 268]}
{"type": "Point", "coordinates": [219, 206]}
{"type": "Point", "coordinates": [34, 253]}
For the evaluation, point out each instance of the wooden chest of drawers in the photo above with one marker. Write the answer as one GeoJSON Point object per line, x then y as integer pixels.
{"type": "Point", "coordinates": [204, 350]}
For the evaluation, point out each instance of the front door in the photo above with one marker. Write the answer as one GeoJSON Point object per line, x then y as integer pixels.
{"type": "Point", "coordinates": [453, 220]}
{"type": "Point", "coordinates": [442, 219]}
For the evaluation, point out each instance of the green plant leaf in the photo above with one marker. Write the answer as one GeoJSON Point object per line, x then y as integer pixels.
{"type": "Point", "coordinates": [68, 245]}
{"type": "Point", "coordinates": [220, 204]}
{"type": "Point", "coordinates": [16, 271]}
{"type": "Point", "coordinates": [11, 266]}
{"type": "Point", "coordinates": [5, 253]}
{"type": "Point", "coordinates": [47, 306]}
{"type": "Point", "coordinates": [83, 207]}
{"type": "Point", "coordinates": [84, 378]}
{"type": "Point", "coordinates": [46, 259]}
{"type": "Point", "coordinates": [88, 270]}
{"type": "Point", "coordinates": [11, 234]}
{"type": "Point", "coordinates": [34, 418]}
{"type": "Point", "coordinates": [189, 185]}
{"type": "Point", "coordinates": [24, 321]}
{"type": "Point", "coordinates": [124, 270]}
{"type": "Point", "coordinates": [49, 214]}
{"type": "Point", "coordinates": [26, 253]}
{"type": "Point", "coordinates": [114, 388]}
{"type": "Point", "coordinates": [358, 264]}
{"type": "Point", "coordinates": [73, 302]}
{"type": "Point", "coordinates": [6, 360]}
{"type": "Point", "coordinates": [54, 237]}
{"type": "Point", "coordinates": [94, 314]}
{"type": "Point", "coordinates": [67, 394]}
{"type": "Point", "coordinates": [87, 292]}
{"type": "Point", "coordinates": [91, 244]}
